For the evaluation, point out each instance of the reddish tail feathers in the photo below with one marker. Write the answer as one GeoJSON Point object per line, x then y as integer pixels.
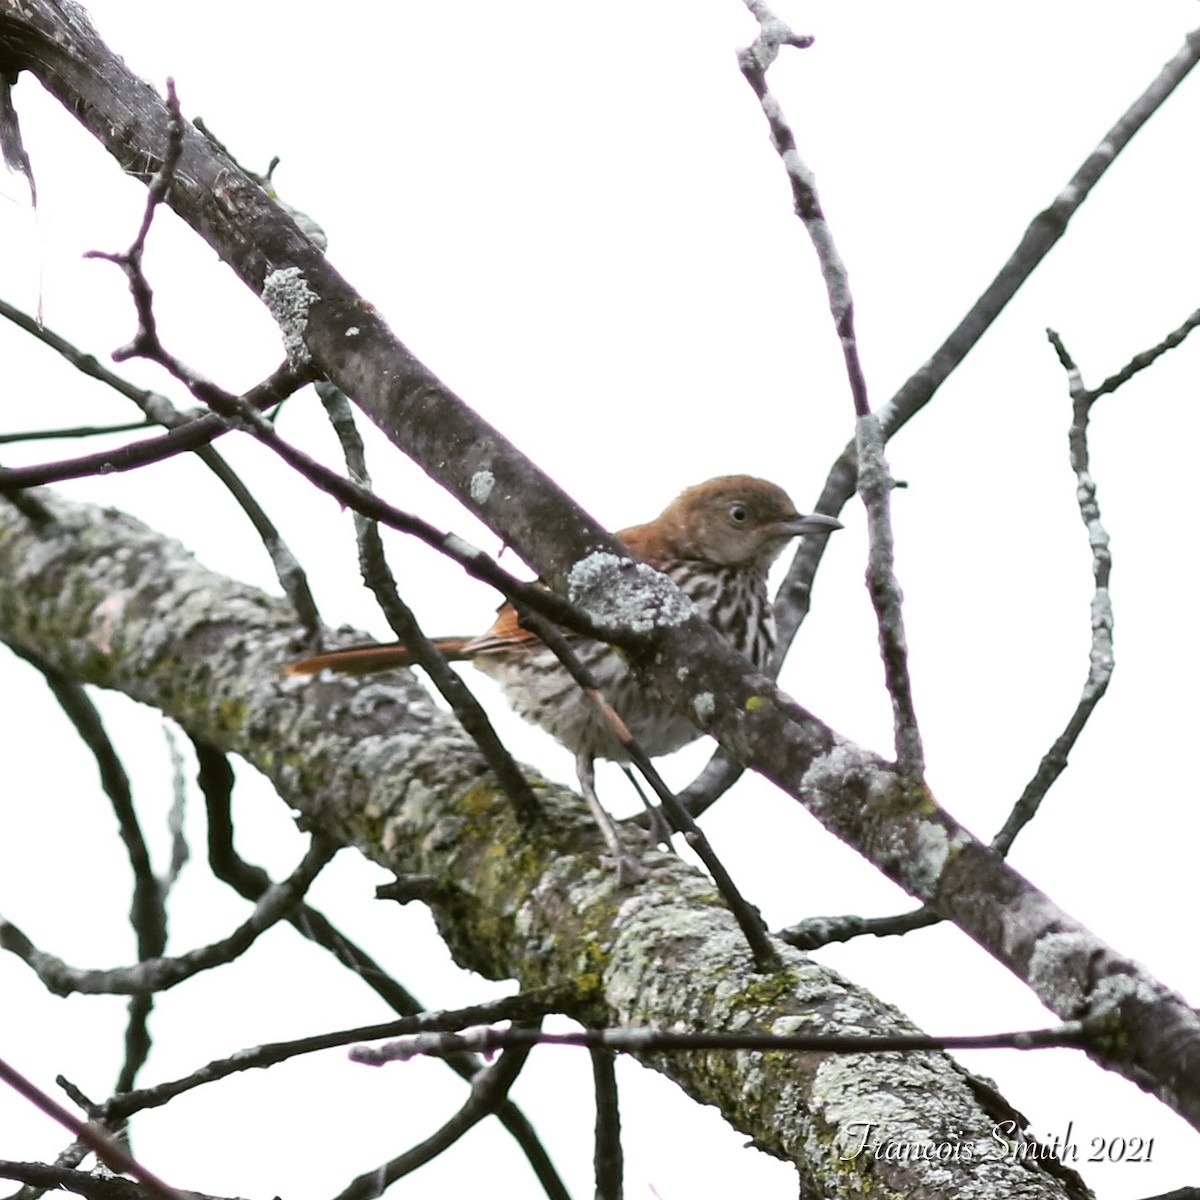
{"type": "Point", "coordinates": [372, 657]}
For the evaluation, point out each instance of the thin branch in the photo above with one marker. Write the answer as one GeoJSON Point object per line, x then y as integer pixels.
{"type": "Point", "coordinates": [40, 1178]}
{"type": "Point", "coordinates": [106, 1148]}
{"type": "Point", "coordinates": [815, 932]}
{"type": "Point", "coordinates": [192, 434]}
{"type": "Point", "coordinates": [72, 432]}
{"type": "Point", "coordinates": [1076, 1035]}
{"type": "Point", "coordinates": [148, 914]}
{"type": "Point", "coordinates": [378, 577]}
{"type": "Point", "coordinates": [158, 974]}
{"type": "Point", "coordinates": [1100, 657]}
{"type": "Point", "coordinates": [609, 1158]}
{"type": "Point", "coordinates": [754, 62]}
{"type": "Point", "coordinates": [488, 1090]}
{"type": "Point", "coordinates": [875, 482]}
{"type": "Point", "coordinates": [161, 411]}
{"type": "Point", "coordinates": [522, 1007]}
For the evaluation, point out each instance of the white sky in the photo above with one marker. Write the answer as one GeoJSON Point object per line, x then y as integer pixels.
{"type": "Point", "coordinates": [571, 213]}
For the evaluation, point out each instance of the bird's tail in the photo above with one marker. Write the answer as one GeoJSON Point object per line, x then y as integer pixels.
{"type": "Point", "coordinates": [372, 657]}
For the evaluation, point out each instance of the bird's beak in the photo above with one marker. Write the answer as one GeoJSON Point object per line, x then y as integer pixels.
{"type": "Point", "coordinates": [816, 523]}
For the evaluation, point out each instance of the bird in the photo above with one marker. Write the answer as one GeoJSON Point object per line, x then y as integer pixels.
{"type": "Point", "coordinates": [717, 542]}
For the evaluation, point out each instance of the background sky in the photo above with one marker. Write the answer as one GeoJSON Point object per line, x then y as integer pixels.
{"type": "Point", "coordinates": [572, 214]}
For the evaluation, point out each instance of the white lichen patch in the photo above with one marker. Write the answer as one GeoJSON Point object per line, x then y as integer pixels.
{"type": "Point", "coordinates": [1059, 963]}
{"type": "Point", "coordinates": [619, 593]}
{"type": "Point", "coordinates": [482, 483]}
{"type": "Point", "coordinates": [460, 546]}
{"type": "Point", "coordinates": [924, 870]}
{"type": "Point", "coordinates": [288, 298]}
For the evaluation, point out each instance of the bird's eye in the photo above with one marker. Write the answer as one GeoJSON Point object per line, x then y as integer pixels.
{"type": "Point", "coordinates": [739, 514]}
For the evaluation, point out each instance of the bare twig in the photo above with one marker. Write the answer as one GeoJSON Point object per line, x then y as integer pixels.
{"type": "Point", "coordinates": [1076, 1035]}
{"type": "Point", "coordinates": [488, 1090]}
{"type": "Point", "coordinates": [107, 1148]}
{"type": "Point", "coordinates": [378, 577]}
{"type": "Point", "coordinates": [148, 914]}
{"type": "Point", "coordinates": [815, 932]}
{"type": "Point", "coordinates": [1100, 657]}
{"type": "Point", "coordinates": [40, 1178]}
{"type": "Point", "coordinates": [874, 480]}
{"type": "Point", "coordinates": [161, 411]}
{"type": "Point", "coordinates": [71, 431]}
{"type": "Point", "coordinates": [609, 1158]}
{"type": "Point", "coordinates": [523, 1007]}
{"type": "Point", "coordinates": [158, 974]}
{"type": "Point", "coordinates": [755, 61]}
{"type": "Point", "coordinates": [875, 484]}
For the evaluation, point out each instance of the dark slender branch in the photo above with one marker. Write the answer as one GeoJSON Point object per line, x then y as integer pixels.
{"type": "Point", "coordinates": [161, 411]}
{"type": "Point", "coordinates": [66, 1159]}
{"type": "Point", "coordinates": [1139, 362]}
{"type": "Point", "coordinates": [146, 343]}
{"type": "Point", "coordinates": [609, 1158]}
{"type": "Point", "coordinates": [148, 913]}
{"type": "Point", "coordinates": [523, 1007]}
{"type": "Point", "coordinates": [815, 932]}
{"type": "Point", "coordinates": [72, 432]}
{"type": "Point", "coordinates": [158, 974]}
{"type": "Point", "coordinates": [29, 506]}
{"type": "Point", "coordinates": [1076, 1035]}
{"type": "Point", "coordinates": [40, 1178]}
{"type": "Point", "coordinates": [474, 562]}
{"type": "Point", "coordinates": [754, 62]}
{"type": "Point", "coordinates": [488, 1090]}
{"type": "Point", "coordinates": [191, 435]}
{"type": "Point", "coordinates": [108, 1149]}
{"type": "Point", "coordinates": [378, 577]}
{"type": "Point", "coordinates": [875, 482]}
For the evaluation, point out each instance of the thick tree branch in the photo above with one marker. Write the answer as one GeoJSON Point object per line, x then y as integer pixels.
{"type": "Point", "coordinates": [379, 767]}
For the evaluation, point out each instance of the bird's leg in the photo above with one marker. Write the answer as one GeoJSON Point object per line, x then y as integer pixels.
{"type": "Point", "coordinates": [629, 870]}
{"type": "Point", "coordinates": [660, 829]}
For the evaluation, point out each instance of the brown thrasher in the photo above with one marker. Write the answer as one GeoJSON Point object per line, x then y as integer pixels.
{"type": "Point", "coordinates": [717, 541]}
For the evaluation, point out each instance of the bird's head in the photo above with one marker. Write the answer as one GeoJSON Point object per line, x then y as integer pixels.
{"type": "Point", "coordinates": [732, 521]}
